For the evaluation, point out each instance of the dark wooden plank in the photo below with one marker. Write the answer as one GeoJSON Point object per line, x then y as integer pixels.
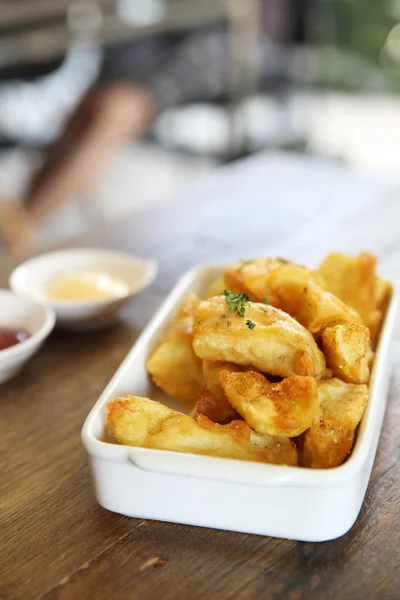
{"type": "Point", "coordinates": [52, 523]}
{"type": "Point", "coordinates": [202, 563]}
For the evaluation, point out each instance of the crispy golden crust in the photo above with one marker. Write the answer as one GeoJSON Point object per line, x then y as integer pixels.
{"type": "Point", "coordinates": [214, 409]}
{"type": "Point", "coordinates": [185, 317]}
{"type": "Point", "coordinates": [211, 371]}
{"type": "Point", "coordinates": [383, 292]}
{"type": "Point", "coordinates": [308, 302]}
{"type": "Point", "coordinates": [354, 280]}
{"type": "Point", "coordinates": [320, 309]}
{"type": "Point", "coordinates": [348, 351]}
{"type": "Point", "coordinates": [214, 359]}
{"type": "Point", "coordinates": [212, 401]}
{"type": "Point", "coordinates": [252, 278]}
{"type": "Point", "coordinates": [277, 344]}
{"type": "Point", "coordinates": [287, 285]}
{"type": "Point", "coordinates": [174, 366]}
{"type": "Point", "coordinates": [216, 289]}
{"type": "Point", "coordinates": [330, 438]}
{"type": "Point", "coordinates": [142, 422]}
{"type": "Point", "coordinates": [294, 289]}
{"type": "Point", "coordinates": [287, 408]}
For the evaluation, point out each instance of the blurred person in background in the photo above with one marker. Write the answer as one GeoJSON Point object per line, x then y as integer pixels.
{"type": "Point", "coordinates": [138, 80]}
{"type": "Point", "coordinates": [350, 46]}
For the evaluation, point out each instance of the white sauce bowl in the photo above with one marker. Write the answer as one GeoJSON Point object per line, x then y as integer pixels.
{"type": "Point", "coordinates": [32, 279]}
{"type": "Point", "coordinates": [22, 314]}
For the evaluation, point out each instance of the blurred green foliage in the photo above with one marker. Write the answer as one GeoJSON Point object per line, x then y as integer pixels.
{"type": "Point", "coordinates": [352, 39]}
{"type": "Point", "coordinates": [363, 25]}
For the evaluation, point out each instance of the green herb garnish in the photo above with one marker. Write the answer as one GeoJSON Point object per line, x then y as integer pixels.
{"type": "Point", "coordinates": [263, 310]}
{"type": "Point", "coordinates": [266, 301]}
{"type": "Point", "coordinates": [236, 302]}
{"type": "Point", "coordinates": [250, 324]}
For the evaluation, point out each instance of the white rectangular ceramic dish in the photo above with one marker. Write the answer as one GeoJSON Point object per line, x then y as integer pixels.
{"type": "Point", "coordinates": [280, 501]}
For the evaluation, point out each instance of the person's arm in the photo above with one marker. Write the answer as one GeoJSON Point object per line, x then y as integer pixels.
{"type": "Point", "coordinates": [107, 116]}
{"type": "Point", "coordinates": [113, 112]}
{"type": "Point", "coordinates": [17, 228]}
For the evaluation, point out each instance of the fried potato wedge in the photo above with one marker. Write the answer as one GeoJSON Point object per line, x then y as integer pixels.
{"type": "Point", "coordinates": [266, 339]}
{"type": "Point", "coordinates": [142, 422]}
{"type": "Point", "coordinates": [263, 277]}
{"type": "Point", "coordinates": [285, 409]}
{"type": "Point", "coordinates": [174, 366]}
{"type": "Point", "coordinates": [299, 295]}
{"type": "Point", "coordinates": [354, 280]}
{"type": "Point", "coordinates": [217, 288]}
{"type": "Point", "coordinates": [212, 401]}
{"type": "Point", "coordinates": [252, 276]}
{"type": "Point", "coordinates": [292, 288]}
{"type": "Point", "coordinates": [287, 284]}
{"type": "Point", "coordinates": [383, 291]}
{"type": "Point", "coordinates": [320, 309]}
{"type": "Point", "coordinates": [330, 438]}
{"type": "Point", "coordinates": [348, 351]}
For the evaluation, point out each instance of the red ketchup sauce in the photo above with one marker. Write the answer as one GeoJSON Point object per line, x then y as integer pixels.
{"type": "Point", "coordinates": [11, 337]}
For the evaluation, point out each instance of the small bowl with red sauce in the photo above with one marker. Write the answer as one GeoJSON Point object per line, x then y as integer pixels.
{"type": "Point", "coordinates": [24, 325]}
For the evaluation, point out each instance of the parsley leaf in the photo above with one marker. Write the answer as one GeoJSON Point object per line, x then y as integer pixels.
{"type": "Point", "coordinates": [263, 310]}
{"type": "Point", "coordinates": [266, 301]}
{"type": "Point", "coordinates": [236, 302]}
{"type": "Point", "coordinates": [250, 324]}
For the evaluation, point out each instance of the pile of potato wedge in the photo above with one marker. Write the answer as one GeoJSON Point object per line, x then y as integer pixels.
{"type": "Point", "coordinates": [273, 365]}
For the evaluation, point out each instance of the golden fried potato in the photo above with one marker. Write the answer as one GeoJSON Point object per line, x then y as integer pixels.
{"type": "Point", "coordinates": [212, 401]}
{"type": "Point", "coordinates": [348, 351]}
{"type": "Point", "coordinates": [328, 374]}
{"type": "Point", "coordinates": [174, 366]}
{"type": "Point", "coordinates": [374, 325]}
{"type": "Point", "coordinates": [271, 278]}
{"type": "Point", "coordinates": [330, 438]}
{"type": "Point", "coordinates": [142, 422]}
{"type": "Point", "coordinates": [292, 288]}
{"type": "Point", "coordinates": [185, 317]}
{"type": "Point", "coordinates": [216, 288]}
{"type": "Point", "coordinates": [251, 277]}
{"type": "Point", "coordinates": [320, 309]}
{"type": "Point", "coordinates": [265, 338]}
{"type": "Point", "coordinates": [354, 280]}
{"type": "Point", "coordinates": [286, 409]}
{"type": "Point", "coordinates": [383, 291]}
{"type": "Point", "coordinates": [296, 291]}
{"type": "Point", "coordinates": [287, 284]}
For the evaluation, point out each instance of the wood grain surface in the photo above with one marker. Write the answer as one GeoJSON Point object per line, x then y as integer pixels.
{"type": "Point", "coordinates": [56, 542]}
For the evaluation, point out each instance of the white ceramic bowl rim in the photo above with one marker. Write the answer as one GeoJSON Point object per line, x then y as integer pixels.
{"type": "Point", "coordinates": [150, 271]}
{"type": "Point", "coordinates": [37, 336]}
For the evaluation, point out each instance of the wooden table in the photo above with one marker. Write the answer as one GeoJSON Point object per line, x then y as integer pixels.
{"type": "Point", "coordinates": [56, 542]}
